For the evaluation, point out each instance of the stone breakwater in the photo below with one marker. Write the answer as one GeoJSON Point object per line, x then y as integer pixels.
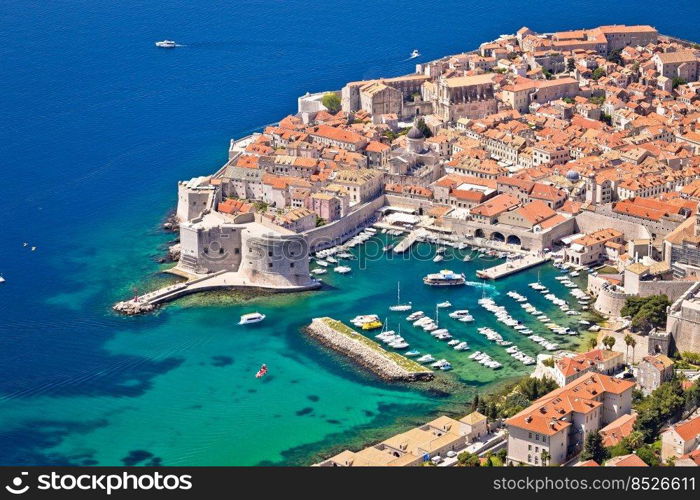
{"type": "Point", "coordinates": [387, 365]}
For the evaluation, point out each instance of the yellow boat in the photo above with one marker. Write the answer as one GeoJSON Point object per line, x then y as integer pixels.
{"type": "Point", "coordinates": [372, 325]}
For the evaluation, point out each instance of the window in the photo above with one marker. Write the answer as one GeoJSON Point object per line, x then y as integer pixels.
{"type": "Point", "coordinates": [270, 264]}
{"type": "Point", "coordinates": [291, 264]}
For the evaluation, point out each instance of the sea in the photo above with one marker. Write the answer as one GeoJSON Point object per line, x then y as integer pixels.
{"type": "Point", "coordinates": [98, 125]}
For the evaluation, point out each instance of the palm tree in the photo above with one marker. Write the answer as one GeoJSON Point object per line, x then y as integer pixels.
{"type": "Point", "coordinates": [633, 344]}
{"type": "Point", "coordinates": [628, 342]}
{"type": "Point", "coordinates": [593, 342]}
{"type": "Point", "coordinates": [545, 456]}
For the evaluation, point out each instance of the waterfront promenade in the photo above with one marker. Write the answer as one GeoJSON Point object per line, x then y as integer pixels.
{"type": "Point", "coordinates": [511, 267]}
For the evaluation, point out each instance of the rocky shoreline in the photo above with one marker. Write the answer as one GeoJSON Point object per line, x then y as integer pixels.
{"type": "Point", "coordinates": [386, 365]}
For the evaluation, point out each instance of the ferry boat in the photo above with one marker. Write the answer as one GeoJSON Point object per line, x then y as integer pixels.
{"type": "Point", "coordinates": [445, 278]}
{"type": "Point", "coordinates": [166, 44]}
{"type": "Point", "coordinates": [255, 317]}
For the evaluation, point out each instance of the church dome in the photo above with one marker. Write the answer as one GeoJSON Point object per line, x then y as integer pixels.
{"type": "Point", "coordinates": [572, 175]}
{"type": "Point", "coordinates": [415, 133]}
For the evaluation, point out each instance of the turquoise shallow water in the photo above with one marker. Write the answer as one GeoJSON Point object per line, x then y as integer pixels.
{"type": "Point", "coordinates": [99, 125]}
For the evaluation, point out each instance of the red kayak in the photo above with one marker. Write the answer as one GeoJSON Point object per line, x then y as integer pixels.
{"type": "Point", "coordinates": [261, 372]}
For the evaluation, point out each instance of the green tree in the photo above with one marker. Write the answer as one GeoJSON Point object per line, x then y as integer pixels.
{"type": "Point", "coordinates": [650, 454]}
{"type": "Point", "coordinates": [570, 64]}
{"type": "Point", "coordinates": [593, 448]}
{"type": "Point", "coordinates": [597, 99]}
{"type": "Point", "coordinates": [628, 342]}
{"type": "Point", "coordinates": [424, 128]}
{"type": "Point", "coordinates": [593, 342]}
{"type": "Point", "coordinates": [466, 459]}
{"type": "Point", "coordinates": [616, 57]}
{"type": "Point", "coordinates": [678, 81]}
{"type": "Point", "coordinates": [609, 342]}
{"type": "Point", "coordinates": [664, 405]}
{"type": "Point", "coordinates": [598, 73]}
{"type": "Point", "coordinates": [545, 457]}
{"type": "Point", "coordinates": [332, 102]}
{"type": "Point", "coordinates": [646, 312]}
{"type": "Point", "coordinates": [475, 403]}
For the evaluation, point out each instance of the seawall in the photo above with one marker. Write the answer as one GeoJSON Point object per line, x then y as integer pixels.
{"type": "Point", "coordinates": [386, 365]}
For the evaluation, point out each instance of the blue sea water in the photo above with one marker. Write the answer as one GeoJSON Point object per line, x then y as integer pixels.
{"type": "Point", "coordinates": [98, 126]}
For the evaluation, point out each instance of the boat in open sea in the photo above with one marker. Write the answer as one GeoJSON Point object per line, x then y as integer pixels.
{"type": "Point", "coordinates": [166, 44]}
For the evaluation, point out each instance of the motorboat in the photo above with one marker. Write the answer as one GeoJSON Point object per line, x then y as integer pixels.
{"type": "Point", "coordinates": [411, 353]}
{"type": "Point", "coordinates": [441, 364]}
{"type": "Point", "coordinates": [414, 54]}
{"type": "Point", "coordinates": [415, 315]}
{"type": "Point", "coordinates": [466, 258]}
{"type": "Point", "coordinates": [462, 346]}
{"type": "Point", "coordinates": [166, 44]}
{"type": "Point", "coordinates": [250, 318]}
{"type": "Point", "coordinates": [318, 271]}
{"type": "Point", "coordinates": [459, 313]}
{"type": "Point", "coordinates": [438, 258]}
{"type": "Point", "coordinates": [445, 305]}
{"type": "Point", "coordinates": [426, 358]}
{"type": "Point", "coordinates": [342, 269]}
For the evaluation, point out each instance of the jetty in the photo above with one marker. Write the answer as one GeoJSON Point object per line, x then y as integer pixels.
{"type": "Point", "coordinates": [390, 366]}
{"type": "Point", "coordinates": [511, 267]}
{"type": "Point", "coordinates": [409, 240]}
{"type": "Point", "coordinates": [221, 280]}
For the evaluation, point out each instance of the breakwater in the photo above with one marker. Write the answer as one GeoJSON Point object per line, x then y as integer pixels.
{"type": "Point", "coordinates": [365, 352]}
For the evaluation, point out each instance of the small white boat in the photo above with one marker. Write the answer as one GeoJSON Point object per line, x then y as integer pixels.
{"type": "Point", "coordinates": [467, 259]}
{"type": "Point", "coordinates": [320, 262]}
{"type": "Point", "coordinates": [411, 353]}
{"type": "Point", "coordinates": [249, 318]}
{"type": "Point", "coordinates": [414, 54]}
{"type": "Point", "coordinates": [2, 280]}
{"type": "Point", "coordinates": [426, 358]}
{"type": "Point", "coordinates": [166, 44]}
{"type": "Point", "coordinates": [318, 271]}
{"type": "Point", "coordinates": [342, 269]}
{"type": "Point", "coordinates": [445, 305]}
{"type": "Point", "coordinates": [462, 346]}
{"type": "Point", "coordinates": [438, 258]}
{"type": "Point", "coordinates": [399, 306]}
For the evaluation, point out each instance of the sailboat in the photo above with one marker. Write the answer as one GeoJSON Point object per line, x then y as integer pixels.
{"type": "Point", "coordinates": [399, 306]}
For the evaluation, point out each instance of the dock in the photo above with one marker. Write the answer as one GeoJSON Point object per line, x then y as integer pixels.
{"type": "Point", "coordinates": [409, 240]}
{"type": "Point", "coordinates": [511, 267]}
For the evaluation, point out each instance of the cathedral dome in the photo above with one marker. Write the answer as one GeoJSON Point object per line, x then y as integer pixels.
{"type": "Point", "coordinates": [572, 175]}
{"type": "Point", "coordinates": [415, 133]}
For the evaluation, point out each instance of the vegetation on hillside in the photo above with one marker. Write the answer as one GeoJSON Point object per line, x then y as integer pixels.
{"type": "Point", "coordinates": [513, 398]}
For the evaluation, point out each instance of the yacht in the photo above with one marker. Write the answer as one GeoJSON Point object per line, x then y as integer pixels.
{"type": "Point", "coordinates": [415, 315]}
{"type": "Point", "coordinates": [445, 305]}
{"type": "Point", "coordinates": [462, 346]}
{"type": "Point", "coordinates": [399, 306]}
{"type": "Point", "coordinates": [426, 358]}
{"type": "Point", "coordinates": [342, 269]}
{"type": "Point", "coordinates": [319, 271]}
{"type": "Point", "coordinates": [445, 278]}
{"type": "Point", "coordinates": [411, 353]}
{"type": "Point", "coordinates": [166, 44]}
{"type": "Point", "coordinates": [255, 317]}
{"type": "Point", "coordinates": [442, 364]}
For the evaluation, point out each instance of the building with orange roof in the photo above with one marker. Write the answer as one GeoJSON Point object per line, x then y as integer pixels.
{"type": "Point", "coordinates": [337, 137]}
{"type": "Point", "coordinates": [490, 210]}
{"type": "Point", "coordinates": [590, 249]}
{"type": "Point", "coordinates": [653, 371]}
{"type": "Point", "coordinates": [617, 430]}
{"type": "Point", "coordinates": [559, 422]}
{"type": "Point", "coordinates": [630, 460]}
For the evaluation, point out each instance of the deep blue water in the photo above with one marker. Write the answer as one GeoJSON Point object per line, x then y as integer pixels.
{"type": "Point", "coordinates": [98, 126]}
